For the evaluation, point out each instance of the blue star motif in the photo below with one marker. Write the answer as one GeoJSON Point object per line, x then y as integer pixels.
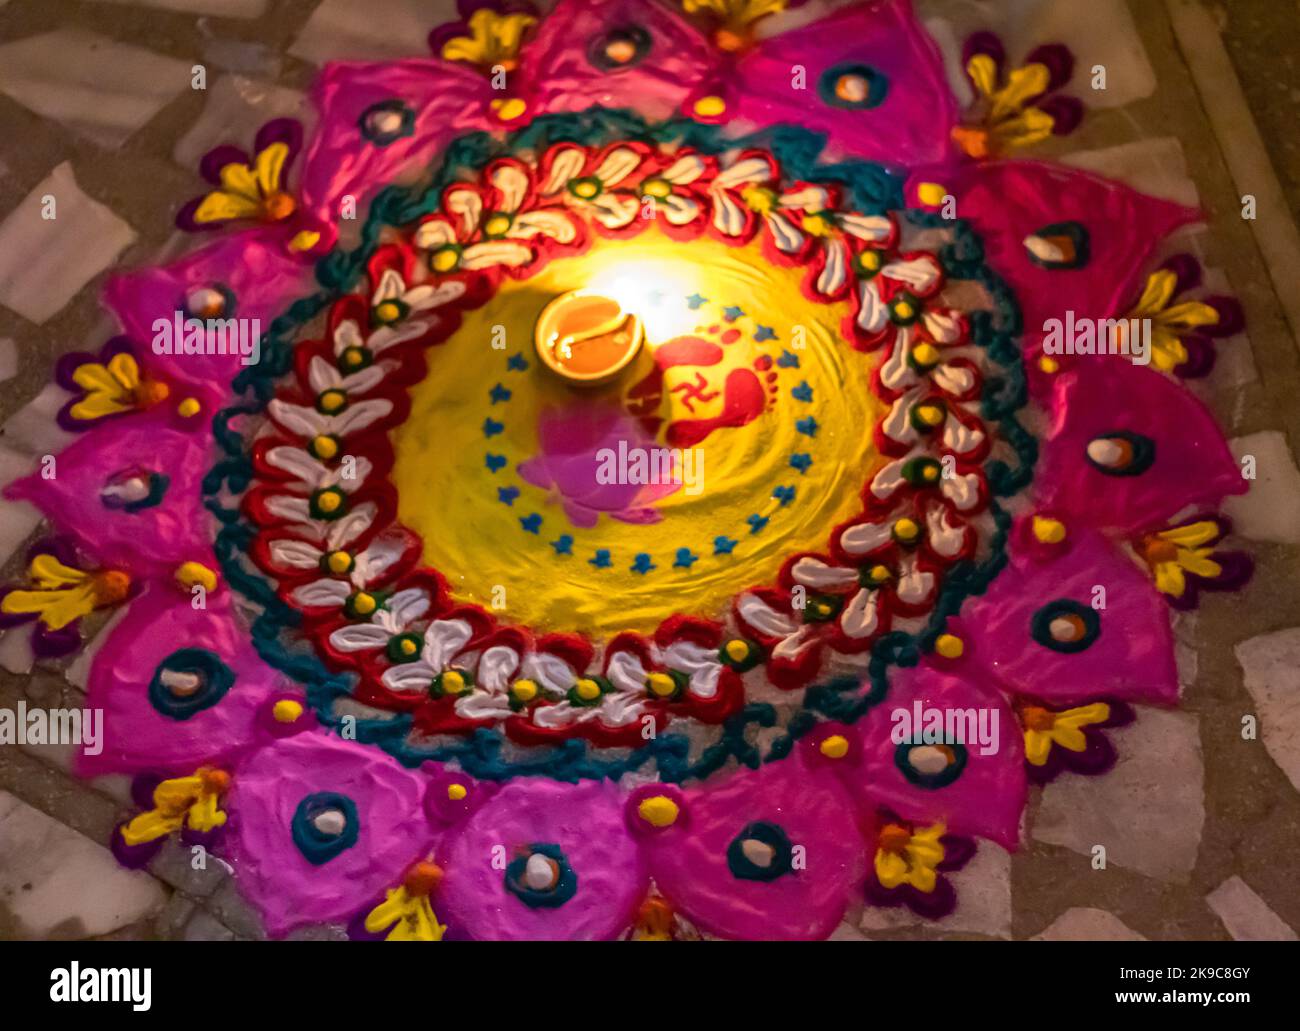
{"type": "Point", "coordinates": [808, 427]}
{"type": "Point", "coordinates": [783, 494]}
{"type": "Point", "coordinates": [601, 559]}
{"type": "Point", "coordinates": [803, 392]}
{"type": "Point", "coordinates": [564, 546]}
{"type": "Point", "coordinates": [723, 545]}
{"type": "Point", "coordinates": [764, 333]}
{"type": "Point", "coordinates": [756, 522]}
{"type": "Point", "coordinates": [499, 394]}
{"type": "Point", "coordinates": [507, 495]}
{"type": "Point", "coordinates": [788, 360]}
{"type": "Point", "coordinates": [491, 427]}
{"type": "Point", "coordinates": [495, 463]}
{"type": "Point", "coordinates": [694, 301]}
{"type": "Point", "coordinates": [516, 362]}
{"type": "Point", "coordinates": [642, 564]}
{"type": "Point", "coordinates": [732, 312]}
{"type": "Point", "coordinates": [685, 559]}
{"type": "Point", "coordinates": [801, 460]}
{"type": "Point", "coordinates": [531, 523]}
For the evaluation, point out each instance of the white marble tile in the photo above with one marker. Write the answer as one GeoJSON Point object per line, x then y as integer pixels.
{"type": "Point", "coordinates": [1247, 916]}
{"type": "Point", "coordinates": [97, 87]}
{"type": "Point", "coordinates": [78, 671]}
{"type": "Point", "coordinates": [346, 30]}
{"type": "Point", "coordinates": [1270, 511]}
{"type": "Point", "coordinates": [1234, 364]}
{"type": "Point", "coordinates": [1154, 166]}
{"type": "Point", "coordinates": [33, 429]}
{"type": "Point", "coordinates": [232, 110]}
{"type": "Point", "coordinates": [1088, 925]}
{"type": "Point", "coordinates": [16, 653]}
{"type": "Point", "coordinates": [56, 881]}
{"type": "Point", "coordinates": [45, 262]}
{"type": "Point", "coordinates": [1148, 811]}
{"type": "Point", "coordinates": [219, 8]}
{"type": "Point", "coordinates": [17, 518]}
{"type": "Point", "coordinates": [1271, 663]}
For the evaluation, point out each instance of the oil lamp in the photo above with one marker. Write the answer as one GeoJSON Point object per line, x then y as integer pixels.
{"type": "Point", "coordinates": [587, 338]}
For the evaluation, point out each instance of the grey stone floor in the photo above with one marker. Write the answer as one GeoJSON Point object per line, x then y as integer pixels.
{"type": "Point", "coordinates": [1203, 828]}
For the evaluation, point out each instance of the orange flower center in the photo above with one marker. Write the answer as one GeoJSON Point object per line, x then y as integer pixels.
{"type": "Point", "coordinates": [278, 206]}
{"type": "Point", "coordinates": [1038, 718]}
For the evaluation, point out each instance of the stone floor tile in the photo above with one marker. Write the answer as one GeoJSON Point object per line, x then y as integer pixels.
{"type": "Point", "coordinates": [1246, 915]}
{"type": "Point", "coordinates": [1154, 166]}
{"type": "Point", "coordinates": [44, 263]}
{"type": "Point", "coordinates": [218, 8]}
{"type": "Point", "coordinates": [1089, 925]}
{"type": "Point", "coordinates": [376, 29]}
{"type": "Point", "coordinates": [1148, 812]}
{"type": "Point", "coordinates": [233, 106]}
{"type": "Point", "coordinates": [1271, 510]}
{"type": "Point", "coordinates": [99, 88]}
{"type": "Point", "coordinates": [56, 883]}
{"type": "Point", "coordinates": [1272, 667]}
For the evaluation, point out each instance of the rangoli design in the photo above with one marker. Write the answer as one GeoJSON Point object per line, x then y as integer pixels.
{"type": "Point", "coordinates": [388, 641]}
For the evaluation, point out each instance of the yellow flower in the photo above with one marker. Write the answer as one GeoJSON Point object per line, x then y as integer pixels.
{"type": "Point", "coordinates": [63, 594]}
{"type": "Point", "coordinates": [250, 191]}
{"type": "Point", "coordinates": [114, 388]}
{"type": "Point", "coordinates": [1044, 728]}
{"type": "Point", "coordinates": [1007, 119]}
{"type": "Point", "coordinates": [183, 800]}
{"type": "Point", "coordinates": [1170, 322]}
{"type": "Point", "coordinates": [494, 39]}
{"type": "Point", "coordinates": [410, 918]}
{"type": "Point", "coordinates": [735, 18]}
{"type": "Point", "coordinates": [1171, 553]}
{"type": "Point", "coordinates": [906, 856]}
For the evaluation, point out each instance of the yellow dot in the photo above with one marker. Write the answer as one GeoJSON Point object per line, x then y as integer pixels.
{"type": "Point", "coordinates": [931, 415]}
{"type": "Point", "coordinates": [925, 354]}
{"type": "Point", "coordinates": [656, 188]}
{"type": "Point", "coordinates": [324, 447]}
{"type": "Point", "coordinates": [352, 356]}
{"type": "Point", "coordinates": [305, 240]}
{"type": "Point", "coordinates": [496, 225]}
{"type": "Point", "coordinates": [661, 684]}
{"type": "Point", "coordinates": [903, 310]}
{"type": "Point", "coordinates": [817, 225]}
{"type": "Point", "coordinates": [332, 400]}
{"type": "Point", "coordinates": [1049, 365]}
{"type": "Point", "coordinates": [870, 260]}
{"type": "Point", "coordinates": [658, 811]}
{"type": "Point", "coordinates": [189, 408]}
{"type": "Point", "coordinates": [588, 690]}
{"type": "Point", "coordinates": [710, 107]}
{"type": "Point", "coordinates": [388, 311]}
{"type": "Point", "coordinates": [509, 110]}
{"type": "Point", "coordinates": [737, 650]}
{"type": "Point", "coordinates": [524, 690]}
{"type": "Point", "coordinates": [1049, 531]}
{"type": "Point", "coordinates": [453, 681]}
{"type": "Point", "coordinates": [456, 792]}
{"type": "Point", "coordinates": [408, 647]}
{"type": "Point", "coordinates": [836, 746]}
{"type": "Point", "coordinates": [930, 472]}
{"type": "Point", "coordinates": [363, 604]}
{"type": "Point", "coordinates": [339, 561]}
{"type": "Point", "coordinates": [445, 260]}
{"type": "Point", "coordinates": [949, 646]}
{"type": "Point", "coordinates": [931, 194]}
{"type": "Point", "coordinates": [188, 574]}
{"type": "Point", "coordinates": [286, 710]}
{"type": "Point", "coordinates": [906, 528]}
{"type": "Point", "coordinates": [329, 501]}
{"type": "Point", "coordinates": [586, 190]}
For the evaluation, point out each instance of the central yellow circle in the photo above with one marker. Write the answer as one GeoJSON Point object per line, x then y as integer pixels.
{"type": "Point", "coordinates": [477, 541]}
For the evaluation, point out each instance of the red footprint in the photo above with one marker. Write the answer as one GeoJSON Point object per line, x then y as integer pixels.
{"type": "Point", "coordinates": [645, 397]}
{"type": "Point", "coordinates": [744, 398]}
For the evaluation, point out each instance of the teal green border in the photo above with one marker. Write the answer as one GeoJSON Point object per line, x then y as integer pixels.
{"type": "Point", "coordinates": [872, 189]}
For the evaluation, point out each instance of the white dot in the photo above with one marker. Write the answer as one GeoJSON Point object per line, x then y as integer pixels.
{"type": "Point", "coordinates": [1105, 452]}
{"type": "Point", "coordinates": [330, 822]}
{"type": "Point", "coordinates": [928, 759]}
{"type": "Point", "coordinates": [758, 852]}
{"type": "Point", "coordinates": [182, 685]}
{"type": "Point", "coordinates": [539, 873]}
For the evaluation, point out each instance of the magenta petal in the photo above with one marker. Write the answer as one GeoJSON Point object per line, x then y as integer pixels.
{"type": "Point", "coordinates": [137, 735]}
{"type": "Point", "coordinates": [276, 875]}
{"type": "Point", "coordinates": [585, 821]}
{"type": "Point", "coordinates": [1008, 201]}
{"type": "Point", "coordinates": [1180, 457]}
{"type": "Point", "coordinates": [689, 861]}
{"type": "Point", "coordinates": [561, 73]}
{"type": "Point", "coordinates": [149, 538]}
{"type": "Point", "coordinates": [1131, 654]}
{"type": "Point", "coordinates": [987, 794]}
{"type": "Point", "coordinates": [441, 100]}
{"type": "Point", "coordinates": [911, 123]}
{"type": "Point", "coordinates": [254, 265]}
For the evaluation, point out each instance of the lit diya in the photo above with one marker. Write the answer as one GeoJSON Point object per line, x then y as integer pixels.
{"type": "Point", "coordinates": [586, 338]}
